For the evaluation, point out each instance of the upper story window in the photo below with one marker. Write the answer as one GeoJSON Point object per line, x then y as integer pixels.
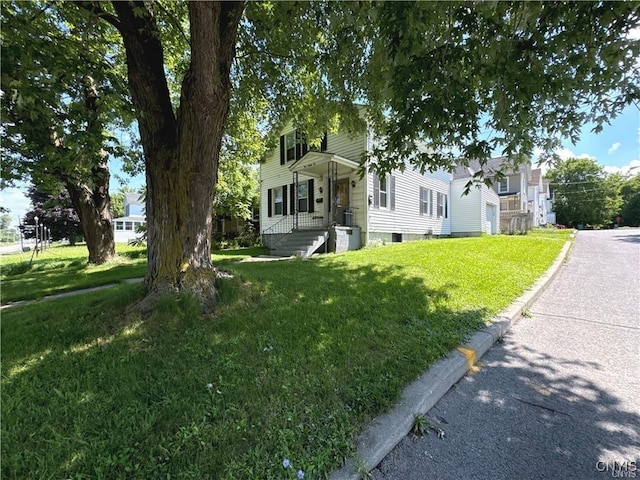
{"type": "Point", "coordinates": [503, 185]}
{"type": "Point", "coordinates": [293, 146]}
{"type": "Point", "coordinates": [290, 146]}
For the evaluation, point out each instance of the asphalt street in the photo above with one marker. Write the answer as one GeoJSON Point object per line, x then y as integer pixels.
{"type": "Point", "coordinates": [559, 397]}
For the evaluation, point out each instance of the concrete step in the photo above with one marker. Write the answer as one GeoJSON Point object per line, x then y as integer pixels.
{"type": "Point", "coordinates": [301, 243]}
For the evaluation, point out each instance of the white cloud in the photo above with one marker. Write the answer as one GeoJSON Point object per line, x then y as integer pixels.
{"type": "Point", "coordinates": [613, 148]}
{"type": "Point", "coordinates": [564, 153]}
{"type": "Point", "coordinates": [633, 168]}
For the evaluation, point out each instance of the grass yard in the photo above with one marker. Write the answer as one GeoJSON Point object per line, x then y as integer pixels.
{"type": "Point", "coordinates": [64, 268]}
{"type": "Point", "coordinates": [299, 358]}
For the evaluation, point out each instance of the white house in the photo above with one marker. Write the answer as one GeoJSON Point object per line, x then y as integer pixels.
{"type": "Point", "coordinates": [475, 213]}
{"type": "Point", "coordinates": [314, 199]}
{"type": "Point", "coordinates": [124, 228]}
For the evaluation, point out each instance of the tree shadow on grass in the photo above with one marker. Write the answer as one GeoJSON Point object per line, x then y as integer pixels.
{"type": "Point", "coordinates": [299, 358]}
{"type": "Point", "coordinates": [525, 415]}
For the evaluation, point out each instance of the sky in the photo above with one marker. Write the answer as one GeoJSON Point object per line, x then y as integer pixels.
{"type": "Point", "coordinates": [616, 148]}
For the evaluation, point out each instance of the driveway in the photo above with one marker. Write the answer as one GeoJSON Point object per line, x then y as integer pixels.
{"type": "Point", "coordinates": [560, 396]}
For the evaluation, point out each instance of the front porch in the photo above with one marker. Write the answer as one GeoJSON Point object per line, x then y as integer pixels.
{"type": "Point", "coordinates": [328, 208]}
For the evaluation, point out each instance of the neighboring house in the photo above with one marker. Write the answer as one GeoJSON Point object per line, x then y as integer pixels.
{"type": "Point", "coordinates": [549, 216]}
{"type": "Point", "coordinates": [512, 190]}
{"type": "Point", "coordinates": [124, 228]}
{"type": "Point", "coordinates": [314, 199]}
{"type": "Point", "coordinates": [534, 198]}
{"type": "Point", "coordinates": [475, 213]}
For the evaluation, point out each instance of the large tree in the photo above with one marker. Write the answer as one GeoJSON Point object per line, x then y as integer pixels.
{"type": "Point", "coordinates": [582, 193]}
{"type": "Point", "coordinates": [441, 72]}
{"type": "Point", "coordinates": [55, 212]}
{"type": "Point", "coordinates": [62, 91]}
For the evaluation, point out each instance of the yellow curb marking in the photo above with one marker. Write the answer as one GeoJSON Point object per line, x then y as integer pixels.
{"type": "Point", "coordinates": [469, 353]}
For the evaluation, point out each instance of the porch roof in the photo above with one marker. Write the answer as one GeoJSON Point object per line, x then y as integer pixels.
{"type": "Point", "coordinates": [315, 164]}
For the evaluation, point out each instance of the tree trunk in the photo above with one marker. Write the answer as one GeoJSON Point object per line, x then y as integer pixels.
{"type": "Point", "coordinates": [92, 206]}
{"type": "Point", "coordinates": [181, 151]}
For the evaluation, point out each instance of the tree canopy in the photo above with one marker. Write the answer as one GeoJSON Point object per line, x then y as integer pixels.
{"type": "Point", "coordinates": [583, 194]}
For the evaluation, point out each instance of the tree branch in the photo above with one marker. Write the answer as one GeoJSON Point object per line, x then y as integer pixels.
{"type": "Point", "coordinates": [96, 9]}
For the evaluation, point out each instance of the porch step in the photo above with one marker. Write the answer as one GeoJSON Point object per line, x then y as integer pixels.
{"type": "Point", "coordinates": [302, 243]}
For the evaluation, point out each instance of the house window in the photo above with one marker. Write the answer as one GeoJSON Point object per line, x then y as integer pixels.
{"type": "Point", "coordinates": [128, 225]}
{"type": "Point", "coordinates": [290, 146]}
{"type": "Point", "coordinates": [303, 197]}
{"type": "Point", "coordinates": [503, 185]}
{"type": "Point", "coordinates": [383, 192]}
{"type": "Point", "coordinates": [277, 201]}
{"type": "Point", "coordinates": [119, 225]}
{"type": "Point", "coordinates": [426, 201]}
{"type": "Point", "coordinates": [442, 205]}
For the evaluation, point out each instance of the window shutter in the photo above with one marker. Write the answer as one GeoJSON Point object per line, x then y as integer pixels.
{"type": "Point", "coordinates": [392, 191]}
{"type": "Point", "coordinates": [310, 193]}
{"type": "Point", "coordinates": [323, 143]}
{"type": "Point", "coordinates": [446, 206]}
{"type": "Point", "coordinates": [376, 191]}
{"type": "Point", "coordinates": [305, 147]}
{"type": "Point", "coordinates": [282, 152]}
{"type": "Point", "coordinates": [284, 199]}
{"type": "Point", "coordinates": [293, 197]}
{"type": "Point", "coordinates": [420, 201]}
{"type": "Point", "coordinates": [269, 203]}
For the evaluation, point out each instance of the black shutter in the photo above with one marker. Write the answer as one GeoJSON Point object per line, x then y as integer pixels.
{"type": "Point", "coordinates": [323, 143]}
{"type": "Point", "coordinates": [282, 152]}
{"type": "Point", "coordinates": [305, 147]}
{"type": "Point", "coordinates": [392, 191]}
{"type": "Point", "coordinates": [376, 191]}
{"type": "Point", "coordinates": [422, 212]}
{"type": "Point", "coordinates": [284, 200]}
{"type": "Point", "coordinates": [269, 203]}
{"type": "Point", "coordinates": [293, 197]}
{"type": "Point", "coordinates": [310, 199]}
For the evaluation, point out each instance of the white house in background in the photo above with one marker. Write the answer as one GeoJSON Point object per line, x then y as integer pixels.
{"type": "Point", "coordinates": [312, 199]}
{"type": "Point", "coordinates": [535, 202]}
{"type": "Point", "coordinates": [475, 213]}
{"type": "Point", "coordinates": [124, 228]}
{"type": "Point", "coordinates": [547, 200]}
{"type": "Point", "coordinates": [512, 190]}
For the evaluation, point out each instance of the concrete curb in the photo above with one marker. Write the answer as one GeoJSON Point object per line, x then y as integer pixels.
{"type": "Point", "coordinates": [386, 431]}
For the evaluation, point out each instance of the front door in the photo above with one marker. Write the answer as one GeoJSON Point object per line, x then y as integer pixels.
{"type": "Point", "coordinates": [341, 199]}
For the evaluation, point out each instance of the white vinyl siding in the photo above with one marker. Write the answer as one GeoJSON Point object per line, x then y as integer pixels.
{"type": "Point", "coordinates": [469, 212]}
{"type": "Point", "coordinates": [274, 175]}
{"type": "Point", "coordinates": [406, 217]}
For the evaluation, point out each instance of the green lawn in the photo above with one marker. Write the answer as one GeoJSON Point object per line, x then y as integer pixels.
{"type": "Point", "coordinates": [64, 268]}
{"type": "Point", "coordinates": [299, 358]}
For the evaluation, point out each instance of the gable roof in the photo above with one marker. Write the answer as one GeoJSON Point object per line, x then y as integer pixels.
{"type": "Point", "coordinates": [490, 168]}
